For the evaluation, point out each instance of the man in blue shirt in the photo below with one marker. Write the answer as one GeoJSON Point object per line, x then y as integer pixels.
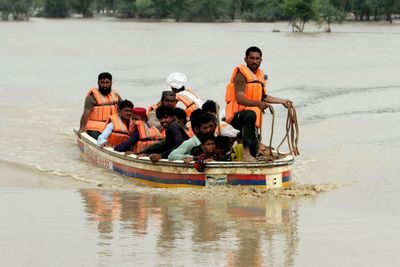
{"type": "Point", "coordinates": [203, 124]}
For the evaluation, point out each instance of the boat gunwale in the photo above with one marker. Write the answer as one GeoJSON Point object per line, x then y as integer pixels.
{"type": "Point", "coordinates": [164, 162]}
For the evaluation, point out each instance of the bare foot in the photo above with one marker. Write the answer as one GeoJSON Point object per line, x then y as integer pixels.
{"type": "Point", "coordinates": [247, 156]}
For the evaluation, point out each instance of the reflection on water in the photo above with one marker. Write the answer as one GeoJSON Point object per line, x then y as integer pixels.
{"type": "Point", "coordinates": [169, 229]}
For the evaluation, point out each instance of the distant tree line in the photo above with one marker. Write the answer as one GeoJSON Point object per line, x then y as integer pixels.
{"type": "Point", "coordinates": [298, 12]}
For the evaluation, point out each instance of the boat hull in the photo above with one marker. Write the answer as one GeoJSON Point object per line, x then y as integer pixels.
{"type": "Point", "coordinates": [178, 174]}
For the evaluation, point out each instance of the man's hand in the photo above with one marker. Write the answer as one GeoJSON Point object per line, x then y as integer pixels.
{"type": "Point", "coordinates": [155, 157]}
{"type": "Point", "coordinates": [263, 105]}
{"type": "Point", "coordinates": [187, 159]}
{"type": "Point", "coordinates": [79, 133]}
{"type": "Point", "coordinates": [286, 103]}
{"type": "Point", "coordinates": [103, 145]}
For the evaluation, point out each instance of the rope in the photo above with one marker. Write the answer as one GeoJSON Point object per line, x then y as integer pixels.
{"type": "Point", "coordinates": [292, 133]}
{"type": "Point", "coordinates": [218, 119]}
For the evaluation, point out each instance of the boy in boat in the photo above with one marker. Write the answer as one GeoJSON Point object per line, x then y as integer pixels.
{"type": "Point", "coordinates": [168, 99]}
{"type": "Point", "coordinates": [143, 135]}
{"type": "Point", "coordinates": [100, 103]}
{"type": "Point", "coordinates": [118, 126]}
{"type": "Point", "coordinates": [202, 123]}
{"type": "Point", "coordinates": [246, 99]}
{"type": "Point", "coordinates": [203, 153]}
{"type": "Point", "coordinates": [174, 135]}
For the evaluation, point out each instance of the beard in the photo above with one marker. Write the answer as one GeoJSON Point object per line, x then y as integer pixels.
{"type": "Point", "coordinates": [105, 91]}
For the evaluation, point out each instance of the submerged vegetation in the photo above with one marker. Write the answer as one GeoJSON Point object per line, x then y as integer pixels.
{"type": "Point", "coordinates": [298, 12]}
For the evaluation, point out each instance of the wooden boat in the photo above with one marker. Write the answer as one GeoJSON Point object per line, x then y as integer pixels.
{"type": "Point", "coordinates": [166, 173]}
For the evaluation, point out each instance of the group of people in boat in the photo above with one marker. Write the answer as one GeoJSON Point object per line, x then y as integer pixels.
{"type": "Point", "coordinates": [181, 126]}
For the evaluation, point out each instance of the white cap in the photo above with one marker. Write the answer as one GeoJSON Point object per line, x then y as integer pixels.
{"type": "Point", "coordinates": [176, 80]}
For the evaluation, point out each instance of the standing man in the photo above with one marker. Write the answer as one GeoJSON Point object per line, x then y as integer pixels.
{"type": "Point", "coordinates": [247, 98]}
{"type": "Point", "coordinates": [100, 104]}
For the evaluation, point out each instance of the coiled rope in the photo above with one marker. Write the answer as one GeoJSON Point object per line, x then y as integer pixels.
{"type": "Point", "coordinates": [292, 136]}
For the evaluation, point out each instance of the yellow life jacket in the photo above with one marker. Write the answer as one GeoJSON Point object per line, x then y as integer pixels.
{"type": "Point", "coordinates": [101, 112]}
{"type": "Point", "coordinates": [255, 90]}
{"type": "Point", "coordinates": [148, 135]}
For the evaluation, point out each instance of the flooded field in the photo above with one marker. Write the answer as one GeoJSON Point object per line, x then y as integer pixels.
{"type": "Point", "coordinates": [342, 210]}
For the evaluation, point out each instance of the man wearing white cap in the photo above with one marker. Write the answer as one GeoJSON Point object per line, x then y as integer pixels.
{"type": "Point", "coordinates": [176, 82]}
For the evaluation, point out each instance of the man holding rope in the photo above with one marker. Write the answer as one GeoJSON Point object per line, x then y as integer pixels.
{"type": "Point", "coordinates": [247, 98]}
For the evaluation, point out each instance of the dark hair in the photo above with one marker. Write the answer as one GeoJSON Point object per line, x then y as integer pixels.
{"type": "Point", "coordinates": [164, 94]}
{"type": "Point", "coordinates": [125, 104]}
{"type": "Point", "coordinates": [195, 114]}
{"type": "Point", "coordinates": [163, 111]}
{"type": "Point", "coordinates": [209, 106]}
{"type": "Point", "coordinates": [222, 142]}
{"type": "Point", "coordinates": [253, 49]}
{"type": "Point", "coordinates": [202, 119]}
{"type": "Point", "coordinates": [205, 137]}
{"type": "Point", "coordinates": [104, 75]}
{"type": "Point", "coordinates": [239, 136]}
{"type": "Point", "coordinates": [180, 115]}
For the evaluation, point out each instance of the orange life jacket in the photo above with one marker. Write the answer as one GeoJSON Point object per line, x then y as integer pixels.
{"type": "Point", "coordinates": [255, 90]}
{"type": "Point", "coordinates": [101, 112]}
{"type": "Point", "coordinates": [148, 135]}
{"type": "Point", "coordinates": [187, 98]}
{"type": "Point", "coordinates": [153, 107]}
{"type": "Point", "coordinates": [120, 132]}
{"type": "Point", "coordinates": [189, 131]}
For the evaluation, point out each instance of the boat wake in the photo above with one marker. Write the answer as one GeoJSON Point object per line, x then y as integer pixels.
{"type": "Point", "coordinates": [27, 170]}
{"type": "Point", "coordinates": [294, 191]}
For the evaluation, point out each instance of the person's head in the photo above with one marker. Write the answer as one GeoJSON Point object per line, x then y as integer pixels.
{"type": "Point", "coordinates": [210, 106]}
{"type": "Point", "coordinates": [239, 138]}
{"type": "Point", "coordinates": [104, 82]}
{"type": "Point", "coordinates": [125, 109]}
{"type": "Point", "coordinates": [195, 114]}
{"type": "Point", "coordinates": [213, 122]}
{"type": "Point", "coordinates": [168, 98]}
{"type": "Point", "coordinates": [222, 145]}
{"type": "Point", "coordinates": [139, 114]}
{"type": "Point", "coordinates": [176, 81]}
{"type": "Point", "coordinates": [180, 115]}
{"type": "Point", "coordinates": [208, 142]}
{"type": "Point", "coordinates": [165, 115]}
{"type": "Point", "coordinates": [253, 58]}
{"type": "Point", "coordinates": [203, 124]}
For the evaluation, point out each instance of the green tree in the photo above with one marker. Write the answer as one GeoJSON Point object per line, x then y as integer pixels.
{"type": "Point", "coordinates": [263, 10]}
{"type": "Point", "coordinates": [330, 13]}
{"type": "Point", "coordinates": [126, 8]}
{"type": "Point", "coordinates": [17, 9]}
{"type": "Point", "coordinates": [176, 9]}
{"type": "Point", "coordinates": [390, 7]}
{"type": "Point", "coordinates": [145, 8]}
{"type": "Point", "coordinates": [208, 10]}
{"type": "Point", "coordinates": [56, 8]}
{"type": "Point", "coordinates": [83, 7]}
{"type": "Point", "coordinates": [107, 6]}
{"type": "Point", "coordinates": [300, 11]}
